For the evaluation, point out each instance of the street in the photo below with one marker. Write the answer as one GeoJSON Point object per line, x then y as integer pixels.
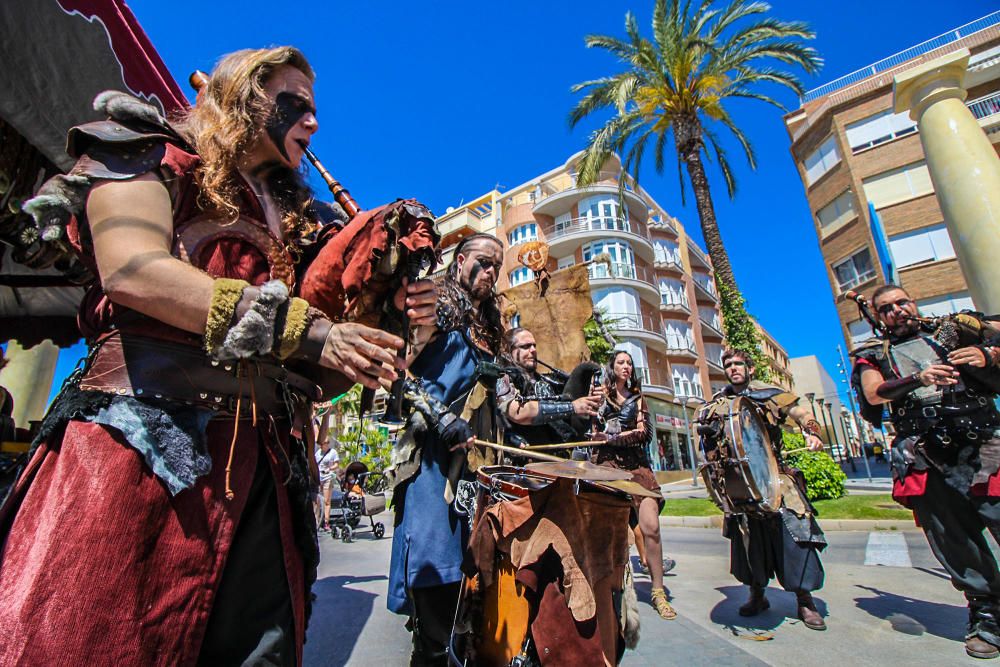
{"type": "Point", "coordinates": [886, 599]}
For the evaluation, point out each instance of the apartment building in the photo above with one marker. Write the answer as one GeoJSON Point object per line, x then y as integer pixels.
{"type": "Point", "coordinates": [657, 289]}
{"type": "Point", "coordinates": [777, 359]}
{"type": "Point", "coordinates": [858, 159]}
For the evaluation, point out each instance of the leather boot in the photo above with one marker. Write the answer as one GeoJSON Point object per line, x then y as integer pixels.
{"type": "Point", "coordinates": [978, 647]}
{"type": "Point", "coordinates": [757, 602]}
{"type": "Point", "coordinates": [807, 612]}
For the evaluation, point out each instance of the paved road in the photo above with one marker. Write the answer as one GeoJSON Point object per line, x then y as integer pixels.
{"type": "Point", "coordinates": [887, 599]}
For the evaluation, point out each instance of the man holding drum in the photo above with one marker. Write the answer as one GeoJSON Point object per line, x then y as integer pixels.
{"type": "Point", "coordinates": [766, 542]}
{"type": "Point", "coordinates": [939, 379]}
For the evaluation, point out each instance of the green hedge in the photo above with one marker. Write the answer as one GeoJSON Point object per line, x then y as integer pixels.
{"type": "Point", "coordinates": [824, 478]}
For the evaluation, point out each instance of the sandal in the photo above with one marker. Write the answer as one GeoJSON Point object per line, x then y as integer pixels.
{"type": "Point", "coordinates": [658, 598]}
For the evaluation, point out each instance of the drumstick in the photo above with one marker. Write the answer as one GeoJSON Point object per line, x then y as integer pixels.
{"type": "Point", "coordinates": [565, 445]}
{"type": "Point", "coordinates": [519, 452]}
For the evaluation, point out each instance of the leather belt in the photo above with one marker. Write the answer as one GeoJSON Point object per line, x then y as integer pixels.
{"type": "Point", "coordinates": [127, 365]}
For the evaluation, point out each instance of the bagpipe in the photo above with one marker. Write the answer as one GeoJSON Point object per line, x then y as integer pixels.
{"type": "Point", "coordinates": [359, 266]}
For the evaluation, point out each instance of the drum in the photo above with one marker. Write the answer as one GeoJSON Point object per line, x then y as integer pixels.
{"type": "Point", "coordinates": [521, 517]}
{"type": "Point", "coordinates": [741, 469]}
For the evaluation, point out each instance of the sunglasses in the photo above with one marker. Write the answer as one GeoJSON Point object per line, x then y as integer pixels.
{"type": "Point", "coordinates": [887, 308]}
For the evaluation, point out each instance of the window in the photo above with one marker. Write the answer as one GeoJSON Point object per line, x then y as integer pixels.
{"type": "Point", "coordinates": [687, 381]}
{"type": "Point", "coordinates": [705, 281]}
{"type": "Point", "coordinates": [672, 293]}
{"type": "Point", "coordinates": [566, 262]}
{"type": "Point", "coordinates": [523, 234]}
{"type": "Point", "coordinates": [622, 259]}
{"type": "Point", "coordinates": [666, 252]}
{"type": "Point", "coordinates": [710, 316]}
{"type": "Point", "coordinates": [822, 160]}
{"type": "Point", "coordinates": [945, 304]}
{"type": "Point", "coordinates": [616, 301]}
{"type": "Point", "coordinates": [521, 275]}
{"type": "Point", "coordinates": [602, 213]}
{"type": "Point", "coordinates": [563, 221]}
{"type": "Point", "coordinates": [897, 185]}
{"type": "Point", "coordinates": [836, 214]}
{"type": "Point", "coordinates": [854, 270]}
{"type": "Point", "coordinates": [679, 336]}
{"type": "Point", "coordinates": [923, 245]}
{"type": "Point", "coordinates": [713, 352]}
{"type": "Point", "coordinates": [879, 128]}
{"type": "Point", "coordinates": [515, 321]}
{"type": "Point", "coordinates": [859, 331]}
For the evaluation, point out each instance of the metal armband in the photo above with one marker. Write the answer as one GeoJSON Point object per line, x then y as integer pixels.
{"type": "Point", "coordinates": [550, 411]}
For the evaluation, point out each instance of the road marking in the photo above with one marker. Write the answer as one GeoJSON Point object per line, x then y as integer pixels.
{"type": "Point", "coordinates": [886, 548]}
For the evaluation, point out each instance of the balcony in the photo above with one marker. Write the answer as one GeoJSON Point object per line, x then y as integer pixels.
{"type": "Point", "coordinates": [712, 326]}
{"type": "Point", "coordinates": [623, 273]}
{"type": "Point", "coordinates": [565, 237]}
{"type": "Point", "coordinates": [698, 256]}
{"type": "Point", "coordinates": [636, 325]}
{"type": "Point", "coordinates": [704, 288]}
{"type": "Point", "coordinates": [987, 111]}
{"type": "Point", "coordinates": [464, 222]}
{"type": "Point", "coordinates": [668, 264]}
{"type": "Point", "coordinates": [681, 346]}
{"type": "Point", "coordinates": [660, 224]}
{"type": "Point", "coordinates": [655, 382]}
{"type": "Point", "coordinates": [560, 202]}
{"type": "Point", "coordinates": [672, 304]}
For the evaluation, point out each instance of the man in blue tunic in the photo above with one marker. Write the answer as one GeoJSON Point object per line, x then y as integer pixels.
{"type": "Point", "coordinates": [429, 536]}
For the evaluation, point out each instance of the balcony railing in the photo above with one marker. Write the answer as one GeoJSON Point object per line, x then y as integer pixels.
{"type": "Point", "coordinates": [672, 262]}
{"type": "Point", "coordinates": [680, 344]}
{"type": "Point", "coordinates": [670, 302]}
{"type": "Point", "coordinates": [624, 270]}
{"type": "Point", "coordinates": [634, 321]}
{"type": "Point", "coordinates": [699, 254]}
{"type": "Point", "coordinates": [986, 106]}
{"type": "Point", "coordinates": [601, 224]}
{"type": "Point", "coordinates": [908, 54]}
{"type": "Point", "coordinates": [654, 376]}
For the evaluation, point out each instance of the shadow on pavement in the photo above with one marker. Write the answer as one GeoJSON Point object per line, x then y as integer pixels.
{"type": "Point", "coordinates": [915, 617]}
{"type": "Point", "coordinates": [783, 607]}
{"type": "Point", "coordinates": [344, 612]}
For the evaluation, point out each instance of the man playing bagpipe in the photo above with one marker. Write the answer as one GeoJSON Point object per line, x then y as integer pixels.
{"type": "Point", "coordinates": [165, 516]}
{"type": "Point", "coordinates": [454, 401]}
{"type": "Point", "coordinates": [782, 541]}
{"type": "Point", "coordinates": [938, 379]}
{"type": "Point", "coordinates": [541, 412]}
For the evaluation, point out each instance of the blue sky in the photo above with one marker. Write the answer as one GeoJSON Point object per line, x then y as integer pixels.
{"type": "Point", "coordinates": [442, 101]}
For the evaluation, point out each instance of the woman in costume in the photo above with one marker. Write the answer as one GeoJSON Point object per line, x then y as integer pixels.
{"type": "Point", "coordinates": [627, 432]}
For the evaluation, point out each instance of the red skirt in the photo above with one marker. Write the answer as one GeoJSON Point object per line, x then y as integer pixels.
{"type": "Point", "coordinates": [102, 565]}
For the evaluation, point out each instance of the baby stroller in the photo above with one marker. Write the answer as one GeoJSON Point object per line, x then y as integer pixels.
{"type": "Point", "coordinates": [362, 493]}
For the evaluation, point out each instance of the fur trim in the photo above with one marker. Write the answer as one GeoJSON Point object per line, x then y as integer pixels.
{"type": "Point", "coordinates": [630, 609]}
{"type": "Point", "coordinates": [60, 198]}
{"type": "Point", "coordinates": [254, 333]}
{"type": "Point", "coordinates": [123, 107]}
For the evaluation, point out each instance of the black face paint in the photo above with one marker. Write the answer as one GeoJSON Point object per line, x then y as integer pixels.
{"type": "Point", "coordinates": [477, 268]}
{"type": "Point", "coordinates": [289, 109]}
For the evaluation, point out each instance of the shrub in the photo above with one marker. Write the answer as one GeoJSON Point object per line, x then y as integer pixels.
{"type": "Point", "coordinates": [824, 478]}
{"type": "Point", "coordinates": [374, 449]}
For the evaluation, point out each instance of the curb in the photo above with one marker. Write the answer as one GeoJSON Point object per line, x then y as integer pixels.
{"type": "Point", "coordinates": [827, 525]}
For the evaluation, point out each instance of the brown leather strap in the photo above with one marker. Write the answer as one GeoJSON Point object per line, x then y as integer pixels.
{"type": "Point", "coordinates": [149, 368]}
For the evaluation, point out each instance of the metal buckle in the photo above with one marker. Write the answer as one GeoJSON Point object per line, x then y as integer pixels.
{"type": "Point", "coordinates": [928, 411]}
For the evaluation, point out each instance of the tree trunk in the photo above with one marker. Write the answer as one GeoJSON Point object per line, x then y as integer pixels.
{"type": "Point", "coordinates": [689, 143]}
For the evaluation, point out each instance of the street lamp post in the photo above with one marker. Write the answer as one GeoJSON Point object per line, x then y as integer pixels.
{"type": "Point", "coordinates": [826, 426]}
{"type": "Point", "coordinates": [854, 411]}
{"type": "Point", "coordinates": [847, 438]}
{"type": "Point", "coordinates": [687, 430]}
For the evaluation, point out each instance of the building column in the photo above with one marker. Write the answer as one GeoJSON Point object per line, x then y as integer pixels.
{"type": "Point", "coordinates": [963, 165]}
{"type": "Point", "coordinates": [28, 377]}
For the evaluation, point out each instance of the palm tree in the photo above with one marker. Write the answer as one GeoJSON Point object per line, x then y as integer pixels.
{"type": "Point", "coordinates": [676, 85]}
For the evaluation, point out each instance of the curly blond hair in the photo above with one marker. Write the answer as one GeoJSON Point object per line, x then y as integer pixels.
{"type": "Point", "coordinates": [228, 120]}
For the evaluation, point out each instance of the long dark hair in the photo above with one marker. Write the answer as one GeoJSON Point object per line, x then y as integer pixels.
{"type": "Point", "coordinates": [454, 306]}
{"type": "Point", "coordinates": [633, 385]}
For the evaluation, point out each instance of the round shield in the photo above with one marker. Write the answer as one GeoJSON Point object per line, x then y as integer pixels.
{"type": "Point", "coordinates": [753, 447]}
